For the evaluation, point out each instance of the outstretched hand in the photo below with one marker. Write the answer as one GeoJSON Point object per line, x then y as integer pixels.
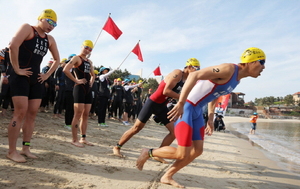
{"type": "Point", "coordinates": [176, 112]}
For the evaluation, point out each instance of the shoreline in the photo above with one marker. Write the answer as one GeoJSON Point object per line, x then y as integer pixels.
{"type": "Point", "coordinates": [286, 165]}
{"type": "Point", "coordinates": [227, 161]}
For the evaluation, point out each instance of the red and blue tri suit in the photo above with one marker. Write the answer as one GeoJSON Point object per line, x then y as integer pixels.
{"type": "Point", "coordinates": [191, 126]}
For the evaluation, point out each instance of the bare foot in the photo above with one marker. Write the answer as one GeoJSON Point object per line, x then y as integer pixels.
{"type": "Point", "coordinates": [170, 181]}
{"type": "Point", "coordinates": [77, 144]}
{"type": "Point", "coordinates": [161, 160]}
{"type": "Point", "coordinates": [16, 157]}
{"type": "Point", "coordinates": [28, 154]}
{"type": "Point", "coordinates": [117, 152]}
{"type": "Point", "coordinates": [142, 159]}
{"type": "Point", "coordinates": [83, 141]}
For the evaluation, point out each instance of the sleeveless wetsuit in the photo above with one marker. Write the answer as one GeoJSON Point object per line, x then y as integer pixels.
{"type": "Point", "coordinates": [82, 93]}
{"type": "Point", "coordinates": [157, 104]}
{"type": "Point", "coordinates": [31, 53]}
{"type": "Point", "coordinates": [191, 126]}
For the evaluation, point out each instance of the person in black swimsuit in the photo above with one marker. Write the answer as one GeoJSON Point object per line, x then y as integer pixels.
{"type": "Point", "coordinates": [84, 79]}
{"type": "Point", "coordinates": [27, 49]}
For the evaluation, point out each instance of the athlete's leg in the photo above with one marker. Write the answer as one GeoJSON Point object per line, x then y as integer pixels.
{"type": "Point", "coordinates": [28, 126]}
{"type": "Point", "coordinates": [138, 125]}
{"type": "Point", "coordinates": [167, 141]}
{"type": "Point", "coordinates": [21, 105]}
{"type": "Point", "coordinates": [194, 151]}
{"type": "Point", "coordinates": [170, 137]}
{"type": "Point", "coordinates": [78, 110]}
{"type": "Point", "coordinates": [84, 123]}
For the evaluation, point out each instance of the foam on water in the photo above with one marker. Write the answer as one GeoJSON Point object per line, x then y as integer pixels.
{"type": "Point", "coordinates": [280, 140]}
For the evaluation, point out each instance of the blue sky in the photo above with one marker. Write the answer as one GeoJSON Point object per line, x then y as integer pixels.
{"type": "Point", "coordinates": [172, 31]}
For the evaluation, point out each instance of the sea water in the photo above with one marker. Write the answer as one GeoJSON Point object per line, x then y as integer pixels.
{"type": "Point", "coordinates": [279, 140]}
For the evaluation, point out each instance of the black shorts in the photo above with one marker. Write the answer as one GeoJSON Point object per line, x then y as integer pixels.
{"type": "Point", "coordinates": [25, 86]}
{"type": "Point", "coordinates": [150, 107]}
{"type": "Point", "coordinates": [82, 94]}
{"type": "Point", "coordinates": [127, 107]}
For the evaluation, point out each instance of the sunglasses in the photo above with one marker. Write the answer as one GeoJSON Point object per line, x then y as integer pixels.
{"type": "Point", "coordinates": [262, 62]}
{"type": "Point", "coordinates": [196, 67]}
{"type": "Point", "coordinates": [51, 22]}
{"type": "Point", "coordinates": [88, 48]}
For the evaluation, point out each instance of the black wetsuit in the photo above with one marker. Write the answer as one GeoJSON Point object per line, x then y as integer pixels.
{"type": "Point", "coordinates": [117, 92]}
{"type": "Point", "coordinates": [82, 93]}
{"type": "Point", "coordinates": [31, 53]}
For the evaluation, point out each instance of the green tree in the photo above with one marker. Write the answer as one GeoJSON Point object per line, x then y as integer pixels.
{"type": "Point", "coordinates": [289, 100]}
{"type": "Point", "coordinates": [150, 84]}
{"type": "Point", "coordinates": [119, 74]}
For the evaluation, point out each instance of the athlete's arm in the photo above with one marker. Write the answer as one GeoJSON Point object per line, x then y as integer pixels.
{"type": "Point", "coordinates": [219, 74]}
{"type": "Point", "coordinates": [55, 55]}
{"type": "Point", "coordinates": [24, 32]}
{"type": "Point", "coordinates": [92, 74]}
{"type": "Point", "coordinates": [73, 62]}
{"type": "Point", "coordinates": [171, 81]}
{"type": "Point", "coordinates": [210, 123]}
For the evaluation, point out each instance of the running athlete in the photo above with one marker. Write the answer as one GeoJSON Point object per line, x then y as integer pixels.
{"type": "Point", "coordinates": [202, 87]}
{"type": "Point", "coordinates": [84, 79]}
{"type": "Point", "coordinates": [27, 49]}
{"type": "Point", "coordinates": [157, 104]}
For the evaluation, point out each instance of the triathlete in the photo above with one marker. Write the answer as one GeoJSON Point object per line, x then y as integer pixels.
{"type": "Point", "coordinates": [201, 87]}
{"type": "Point", "coordinates": [157, 104]}
{"type": "Point", "coordinates": [27, 49]}
{"type": "Point", "coordinates": [84, 79]}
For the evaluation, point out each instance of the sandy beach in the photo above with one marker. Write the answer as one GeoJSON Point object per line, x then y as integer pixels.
{"type": "Point", "coordinates": [227, 162]}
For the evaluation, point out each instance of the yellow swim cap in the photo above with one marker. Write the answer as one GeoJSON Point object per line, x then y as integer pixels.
{"type": "Point", "coordinates": [119, 79]}
{"type": "Point", "coordinates": [88, 43]}
{"type": "Point", "coordinates": [96, 72]}
{"type": "Point", "coordinates": [252, 54]}
{"type": "Point", "coordinates": [48, 13]}
{"type": "Point", "coordinates": [63, 60]}
{"type": "Point", "coordinates": [192, 62]}
{"type": "Point", "coordinates": [140, 81]}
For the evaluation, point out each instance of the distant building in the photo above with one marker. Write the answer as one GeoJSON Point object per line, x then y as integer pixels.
{"type": "Point", "coordinates": [296, 97]}
{"type": "Point", "coordinates": [134, 77]}
{"type": "Point", "coordinates": [236, 100]}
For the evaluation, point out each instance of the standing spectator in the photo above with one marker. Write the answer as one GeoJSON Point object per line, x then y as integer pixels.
{"type": "Point", "coordinates": [6, 68]}
{"type": "Point", "coordinates": [27, 49]}
{"type": "Point", "coordinates": [147, 95]}
{"type": "Point", "coordinates": [69, 99]}
{"type": "Point", "coordinates": [104, 94]}
{"type": "Point", "coordinates": [128, 100]}
{"type": "Point", "coordinates": [138, 94]}
{"type": "Point", "coordinates": [60, 88]}
{"type": "Point", "coordinates": [95, 94]}
{"type": "Point", "coordinates": [117, 96]}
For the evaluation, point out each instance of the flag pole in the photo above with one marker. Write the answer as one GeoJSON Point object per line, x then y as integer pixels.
{"type": "Point", "coordinates": [89, 55]}
{"type": "Point", "coordinates": [101, 30]}
{"type": "Point", "coordinates": [152, 72]}
{"type": "Point", "coordinates": [126, 57]}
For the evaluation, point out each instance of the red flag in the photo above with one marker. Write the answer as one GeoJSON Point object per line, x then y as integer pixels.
{"type": "Point", "coordinates": [136, 50]}
{"type": "Point", "coordinates": [112, 28]}
{"type": "Point", "coordinates": [157, 71]}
